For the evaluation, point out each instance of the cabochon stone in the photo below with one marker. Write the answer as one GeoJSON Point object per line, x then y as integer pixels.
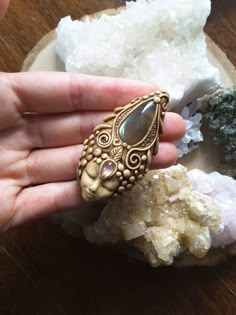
{"type": "Point", "coordinates": [108, 169]}
{"type": "Point", "coordinates": [137, 123]}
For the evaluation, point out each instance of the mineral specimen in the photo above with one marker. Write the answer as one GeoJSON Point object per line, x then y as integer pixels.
{"type": "Point", "coordinates": [193, 135]}
{"type": "Point", "coordinates": [223, 190]}
{"type": "Point", "coordinates": [220, 117]}
{"type": "Point", "coordinates": [162, 217]}
{"type": "Point", "coordinates": [158, 41]}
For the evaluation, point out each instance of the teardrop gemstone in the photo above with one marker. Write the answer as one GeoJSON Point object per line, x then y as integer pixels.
{"type": "Point", "coordinates": [108, 168]}
{"type": "Point", "coordinates": [136, 125]}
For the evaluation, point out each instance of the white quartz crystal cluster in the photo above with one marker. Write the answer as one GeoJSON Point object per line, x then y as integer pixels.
{"type": "Point", "coordinates": [193, 135]}
{"type": "Point", "coordinates": [159, 41]}
{"type": "Point", "coordinates": [223, 189]}
{"type": "Point", "coordinates": [163, 217]}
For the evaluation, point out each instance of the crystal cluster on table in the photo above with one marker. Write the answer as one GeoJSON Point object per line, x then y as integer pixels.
{"type": "Point", "coordinates": [193, 135]}
{"type": "Point", "coordinates": [158, 41]}
{"type": "Point", "coordinates": [223, 189]}
{"type": "Point", "coordinates": [218, 113]}
{"type": "Point", "coordinates": [169, 218]}
{"type": "Point", "coordinates": [220, 117]}
{"type": "Point", "coordinates": [147, 41]}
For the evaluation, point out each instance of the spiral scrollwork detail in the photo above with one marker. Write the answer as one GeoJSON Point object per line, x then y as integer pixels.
{"type": "Point", "coordinates": [104, 139]}
{"type": "Point", "coordinates": [117, 142]}
{"type": "Point", "coordinates": [133, 159]}
{"type": "Point", "coordinates": [164, 106]}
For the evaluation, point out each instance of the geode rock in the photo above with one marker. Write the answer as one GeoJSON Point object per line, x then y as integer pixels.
{"type": "Point", "coordinates": [220, 117]}
{"type": "Point", "coordinates": [162, 217]}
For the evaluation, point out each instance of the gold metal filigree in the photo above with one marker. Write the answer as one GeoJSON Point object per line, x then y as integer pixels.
{"type": "Point", "coordinates": [109, 165]}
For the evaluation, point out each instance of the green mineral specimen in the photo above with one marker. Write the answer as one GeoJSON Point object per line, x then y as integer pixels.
{"type": "Point", "coordinates": [220, 117]}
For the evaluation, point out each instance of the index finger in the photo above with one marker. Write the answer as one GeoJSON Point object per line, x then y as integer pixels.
{"type": "Point", "coordinates": [59, 92]}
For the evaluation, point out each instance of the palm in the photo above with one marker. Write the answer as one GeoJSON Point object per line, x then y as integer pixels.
{"type": "Point", "coordinates": [39, 151]}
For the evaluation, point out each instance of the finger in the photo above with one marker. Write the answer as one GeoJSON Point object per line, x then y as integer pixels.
{"type": "Point", "coordinates": [50, 92]}
{"type": "Point", "coordinates": [59, 165]}
{"type": "Point", "coordinates": [68, 129]}
{"type": "Point", "coordinates": [174, 128]}
{"type": "Point", "coordinates": [48, 131]}
{"type": "Point", "coordinates": [42, 200]}
{"type": "Point", "coordinates": [52, 165]}
{"type": "Point", "coordinates": [167, 156]}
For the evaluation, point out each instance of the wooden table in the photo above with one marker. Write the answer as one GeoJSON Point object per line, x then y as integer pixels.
{"type": "Point", "coordinates": [44, 271]}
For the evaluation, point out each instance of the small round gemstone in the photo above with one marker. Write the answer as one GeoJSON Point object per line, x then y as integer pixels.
{"type": "Point", "coordinates": [89, 157]}
{"type": "Point", "coordinates": [142, 168]}
{"type": "Point", "coordinates": [144, 158]}
{"type": "Point", "coordinates": [118, 174]}
{"type": "Point", "coordinates": [91, 137]}
{"type": "Point", "coordinates": [99, 160]}
{"type": "Point", "coordinates": [124, 183]}
{"type": "Point", "coordinates": [90, 150]}
{"type": "Point", "coordinates": [108, 169]}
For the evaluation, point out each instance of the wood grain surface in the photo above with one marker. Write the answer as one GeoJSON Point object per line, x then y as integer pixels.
{"type": "Point", "coordinates": [44, 271]}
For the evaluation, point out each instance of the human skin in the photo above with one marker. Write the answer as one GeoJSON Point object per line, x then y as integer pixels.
{"type": "Point", "coordinates": [39, 151]}
{"type": "Point", "coordinates": [3, 7]}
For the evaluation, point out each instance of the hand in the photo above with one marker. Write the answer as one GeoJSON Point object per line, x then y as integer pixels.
{"type": "Point", "coordinates": [39, 151]}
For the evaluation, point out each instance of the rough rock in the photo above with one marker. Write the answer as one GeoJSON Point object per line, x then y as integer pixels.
{"type": "Point", "coordinates": [158, 41]}
{"type": "Point", "coordinates": [163, 216]}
